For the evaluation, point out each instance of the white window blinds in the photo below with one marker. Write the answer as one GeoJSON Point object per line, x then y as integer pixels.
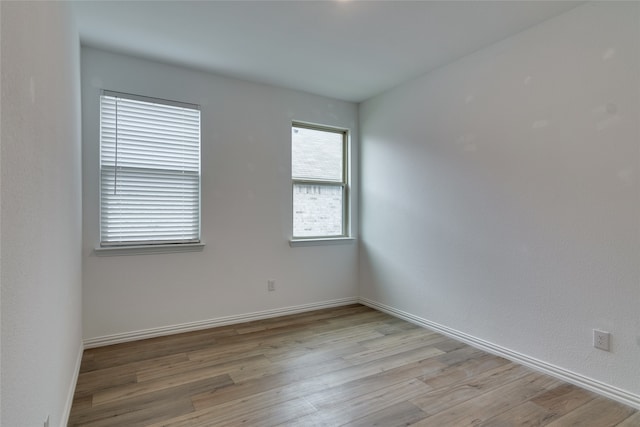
{"type": "Point", "coordinates": [149, 171]}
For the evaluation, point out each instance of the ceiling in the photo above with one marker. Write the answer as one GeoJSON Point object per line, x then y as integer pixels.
{"type": "Point", "coordinates": [349, 50]}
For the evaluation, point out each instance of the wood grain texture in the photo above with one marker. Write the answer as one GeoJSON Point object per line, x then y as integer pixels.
{"type": "Point", "coordinates": [350, 366]}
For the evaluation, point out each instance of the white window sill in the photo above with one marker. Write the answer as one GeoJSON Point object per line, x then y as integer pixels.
{"type": "Point", "coordinates": [321, 241]}
{"type": "Point", "coordinates": [148, 249]}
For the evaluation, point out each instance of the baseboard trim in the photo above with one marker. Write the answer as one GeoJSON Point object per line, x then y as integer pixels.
{"type": "Point", "coordinates": [595, 386]}
{"type": "Point", "coordinates": [72, 388]}
{"type": "Point", "coordinates": [212, 323]}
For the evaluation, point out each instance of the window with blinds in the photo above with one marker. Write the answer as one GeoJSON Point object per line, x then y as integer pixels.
{"type": "Point", "coordinates": [319, 175]}
{"type": "Point", "coordinates": [149, 171]}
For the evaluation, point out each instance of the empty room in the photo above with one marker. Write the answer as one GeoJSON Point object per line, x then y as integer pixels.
{"type": "Point", "coordinates": [320, 213]}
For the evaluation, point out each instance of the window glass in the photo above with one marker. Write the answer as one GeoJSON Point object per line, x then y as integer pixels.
{"type": "Point", "coordinates": [318, 169]}
{"type": "Point", "coordinates": [318, 210]}
{"type": "Point", "coordinates": [316, 154]}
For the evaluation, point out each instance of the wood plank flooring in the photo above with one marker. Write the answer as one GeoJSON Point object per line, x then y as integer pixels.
{"type": "Point", "coordinates": [349, 366]}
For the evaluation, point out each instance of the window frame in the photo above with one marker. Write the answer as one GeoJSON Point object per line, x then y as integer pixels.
{"type": "Point", "coordinates": [345, 185]}
{"type": "Point", "coordinates": [107, 248]}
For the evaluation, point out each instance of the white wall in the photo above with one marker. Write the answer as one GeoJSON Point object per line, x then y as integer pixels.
{"type": "Point", "coordinates": [500, 194]}
{"type": "Point", "coordinates": [41, 212]}
{"type": "Point", "coordinates": [246, 206]}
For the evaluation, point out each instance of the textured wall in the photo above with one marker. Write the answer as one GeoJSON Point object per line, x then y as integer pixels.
{"type": "Point", "coordinates": [500, 194]}
{"type": "Point", "coordinates": [41, 211]}
{"type": "Point", "coordinates": [246, 206]}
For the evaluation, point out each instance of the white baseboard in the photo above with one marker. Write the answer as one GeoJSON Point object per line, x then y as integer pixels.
{"type": "Point", "coordinates": [601, 388]}
{"type": "Point", "coordinates": [212, 323]}
{"type": "Point", "coordinates": [72, 388]}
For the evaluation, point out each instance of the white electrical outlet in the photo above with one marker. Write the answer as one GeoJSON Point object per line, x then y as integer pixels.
{"type": "Point", "coordinates": [601, 340]}
{"type": "Point", "coordinates": [271, 285]}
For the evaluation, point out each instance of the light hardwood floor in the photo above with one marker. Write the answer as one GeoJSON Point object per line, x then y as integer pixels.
{"type": "Point", "coordinates": [344, 366]}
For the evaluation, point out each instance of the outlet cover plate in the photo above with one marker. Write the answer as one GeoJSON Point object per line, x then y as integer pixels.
{"type": "Point", "coordinates": [601, 340]}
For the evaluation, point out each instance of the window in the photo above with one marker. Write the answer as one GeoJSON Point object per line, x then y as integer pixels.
{"type": "Point", "coordinates": [149, 171]}
{"type": "Point", "coordinates": [320, 186]}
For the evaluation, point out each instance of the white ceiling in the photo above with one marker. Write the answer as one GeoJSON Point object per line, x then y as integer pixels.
{"type": "Point", "coordinates": [348, 50]}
